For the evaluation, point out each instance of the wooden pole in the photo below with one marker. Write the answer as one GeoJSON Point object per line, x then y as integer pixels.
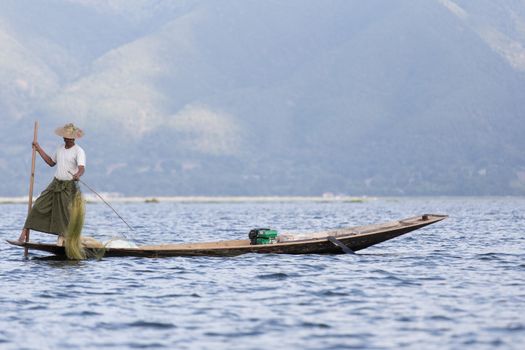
{"type": "Point", "coordinates": [31, 181]}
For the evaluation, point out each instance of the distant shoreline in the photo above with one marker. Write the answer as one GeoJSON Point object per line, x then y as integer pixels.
{"type": "Point", "coordinates": [205, 199]}
{"type": "Point", "coordinates": [111, 197]}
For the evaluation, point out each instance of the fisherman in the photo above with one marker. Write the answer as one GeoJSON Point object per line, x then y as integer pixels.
{"type": "Point", "coordinates": [52, 209]}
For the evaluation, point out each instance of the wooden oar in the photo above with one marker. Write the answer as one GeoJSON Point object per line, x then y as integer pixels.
{"type": "Point", "coordinates": [31, 181]}
{"type": "Point", "coordinates": [340, 244]}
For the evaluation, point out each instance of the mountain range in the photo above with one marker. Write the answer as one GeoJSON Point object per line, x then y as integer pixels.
{"type": "Point", "coordinates": [296, 97]}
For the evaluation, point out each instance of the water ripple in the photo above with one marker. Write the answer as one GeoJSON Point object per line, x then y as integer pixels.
{"type": "Point", "coordinates": [459, 283]}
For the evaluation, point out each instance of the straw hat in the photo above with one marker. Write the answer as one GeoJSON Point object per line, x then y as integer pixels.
{"type": "Point", "coordinates": [69, 131]}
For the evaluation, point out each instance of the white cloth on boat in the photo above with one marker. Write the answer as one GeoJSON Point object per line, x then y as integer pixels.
{"type": "Point", "coordinates": [119, 243]}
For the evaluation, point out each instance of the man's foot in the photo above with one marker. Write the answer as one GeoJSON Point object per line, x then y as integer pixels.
{"type": "Point", "coordinates": [23, 235]}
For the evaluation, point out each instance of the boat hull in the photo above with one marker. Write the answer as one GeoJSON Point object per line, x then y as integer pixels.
{"type": "Point", "coordinates": [356, 239]}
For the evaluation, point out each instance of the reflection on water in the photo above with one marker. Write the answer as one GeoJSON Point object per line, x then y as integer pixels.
{"type": "Point", "coordinates": [459, 283]}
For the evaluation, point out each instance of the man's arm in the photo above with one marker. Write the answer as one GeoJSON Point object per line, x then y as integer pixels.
{"type": "Point", "coordinates": [79, 173]}
{"type": "Point", "coordinates": [43, 154]}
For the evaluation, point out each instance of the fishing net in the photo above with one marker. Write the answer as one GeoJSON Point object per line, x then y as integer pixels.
{"type": "Point", "coordinates": [73, 241]}
{"type": "Point", "coordinates": [78, 247]}
{"type": "Point", "coordinates": [94, 249]}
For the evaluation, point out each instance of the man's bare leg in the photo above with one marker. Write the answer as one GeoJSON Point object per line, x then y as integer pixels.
{"type": "Point", "coordinates": [23, 235]}
{"type": "Point", "coordinates": [60, 240]}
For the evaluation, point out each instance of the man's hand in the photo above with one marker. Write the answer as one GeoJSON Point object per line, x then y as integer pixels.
{"type": "Point", "coordinates": [43, 154]}
{"type": "Point", "coordinates": [37, 147]}
{"type": "Point", "coordinates": [79, 173]}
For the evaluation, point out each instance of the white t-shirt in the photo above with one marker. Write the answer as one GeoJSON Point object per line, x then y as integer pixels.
{"type": "Point", "coordinates": [68, 160]}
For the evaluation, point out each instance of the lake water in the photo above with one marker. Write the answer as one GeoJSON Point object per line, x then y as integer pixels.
{"type": "Point", "coordinates": [456, 284]}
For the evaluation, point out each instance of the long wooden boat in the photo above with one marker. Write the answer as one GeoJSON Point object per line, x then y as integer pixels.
{"type": "Point", "coordinates": [326, 242]}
